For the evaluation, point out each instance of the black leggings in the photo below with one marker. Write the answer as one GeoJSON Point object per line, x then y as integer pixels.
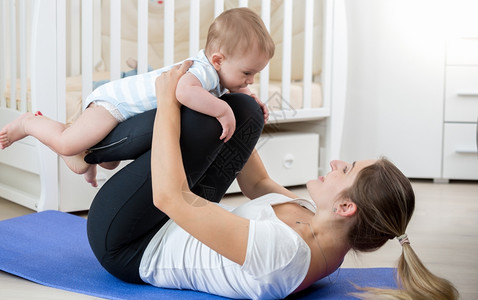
{"type": "Point", "coordinates": [122, 219]}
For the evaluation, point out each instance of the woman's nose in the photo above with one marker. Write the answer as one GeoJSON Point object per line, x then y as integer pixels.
{"type": "Point", "coordinates": [334, 164]}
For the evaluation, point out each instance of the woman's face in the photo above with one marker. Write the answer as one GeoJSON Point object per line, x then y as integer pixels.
{"type": "Point", "coordinates": [326, 189]}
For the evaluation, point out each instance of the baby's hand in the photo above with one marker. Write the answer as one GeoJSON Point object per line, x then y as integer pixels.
{"type": "Point", "coordinates": [265, 111]}
{"type": "Point", "coordinates": [228, 123]}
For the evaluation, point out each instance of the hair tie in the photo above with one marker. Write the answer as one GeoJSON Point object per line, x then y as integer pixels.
{"type": "Point", "coordinates": [403, 239]}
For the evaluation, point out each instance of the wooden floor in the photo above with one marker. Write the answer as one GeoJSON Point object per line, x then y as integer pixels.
{"type": "Point", "coordinates": [443, 232]}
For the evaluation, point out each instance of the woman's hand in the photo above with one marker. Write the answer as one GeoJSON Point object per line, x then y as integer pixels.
{"type": "Point", "coordinates": [166, 83]}
{"type": "Point", "coordinates": [265, 111]}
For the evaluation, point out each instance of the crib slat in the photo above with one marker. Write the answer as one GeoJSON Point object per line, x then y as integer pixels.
{"type": "Point", "coordinates": [168, 32]}
{"type": "Point", "coordinates": [3, 37]}
{"type": "Point", "coordinates": [97, 12]}
{"type": "Point", "coordinates": [308, 44]}
{"type": "Point", "coordinates": [23, 58]}
{"type": "Point", "coordinates": [218, 7]}
{"type": "Point", "coordinates": [115, 43]}
{"type": "Point", "coordinates": [74, 29]}
{"type": "Point", "coordinates": [286, 54]}
{"type": "Point", "coordinates": [243, 3]}
{"type": "Point", "coordinates": [264, 76]}
{"type": "Point", "coordinates": [61, 59]}
{"type": "Point", "coordinates": [194, 27]}
{"type": "Point", "coordinates": [13, 54]}
{"type": "Point", "coordinates": [266, 13]}
{"type": "Point", "coordinates": [86, 47]}
{"type": "Point", "coordinates": [143, 36]}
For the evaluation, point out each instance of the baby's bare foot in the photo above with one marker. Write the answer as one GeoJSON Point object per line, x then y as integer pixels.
{"type": "Point", "coordinates": [14, 130]}
{"type": "Point", "coordinates": [90, 176]}
{"type": "Point", "coordinates": [76, 163]}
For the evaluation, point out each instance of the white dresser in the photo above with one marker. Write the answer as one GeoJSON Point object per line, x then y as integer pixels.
{"type": "Point", "coordinates": [460, 155]}
{"type": "Point", "coordinates": [413, 86]}
{"type": "Point", "coordinates": [290, 158]}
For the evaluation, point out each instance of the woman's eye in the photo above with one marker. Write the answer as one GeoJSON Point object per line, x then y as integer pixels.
{"type": "Point", "coordinates": [345, 170]}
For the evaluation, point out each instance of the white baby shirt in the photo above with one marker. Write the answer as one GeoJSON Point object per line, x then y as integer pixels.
{"type": "Point", "coordinates": [136, 94]}
{"type": "Point", "coordinates": [277, 258]}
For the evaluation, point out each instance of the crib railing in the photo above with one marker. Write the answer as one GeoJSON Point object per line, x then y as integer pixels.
{"type": "Point", "coordinates": [16, 29]}
{"type": "Point", "coordinates": [305, 112]}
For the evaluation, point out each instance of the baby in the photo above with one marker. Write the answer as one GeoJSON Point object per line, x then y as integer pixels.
{"type": "Point", "coordinates": [238, 46]}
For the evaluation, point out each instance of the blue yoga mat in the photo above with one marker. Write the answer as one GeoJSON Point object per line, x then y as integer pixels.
{"type": "Point", "coordinates": [51, 248]}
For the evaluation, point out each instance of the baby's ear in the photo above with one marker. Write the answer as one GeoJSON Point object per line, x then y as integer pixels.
{"type": "Point", "coordinates": [216, 60]}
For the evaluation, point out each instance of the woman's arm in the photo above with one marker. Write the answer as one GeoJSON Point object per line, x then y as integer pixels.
{"type": "Point", "coordinates": [219, 229]}
{"type": "Point", "coordinates": [254, 180]}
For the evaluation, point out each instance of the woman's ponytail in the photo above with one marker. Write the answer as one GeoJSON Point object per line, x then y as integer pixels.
{"type": "Point", "coordinates": [418, 282]}
{"type": "Point", "coordinates": [415, 282]}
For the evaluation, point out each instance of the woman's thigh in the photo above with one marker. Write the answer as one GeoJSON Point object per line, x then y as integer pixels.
{"type": "Point", "coordinates": [122, 219]}
{"type": "Point", "coordinates": [128, 140]}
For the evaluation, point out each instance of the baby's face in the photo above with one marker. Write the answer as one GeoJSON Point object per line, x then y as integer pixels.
{"type": "Point", "coordinates": [238, 71]}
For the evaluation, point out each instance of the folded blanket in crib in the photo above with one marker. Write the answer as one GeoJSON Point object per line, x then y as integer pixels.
{"type": "Point", "coordinates": [51, 248]}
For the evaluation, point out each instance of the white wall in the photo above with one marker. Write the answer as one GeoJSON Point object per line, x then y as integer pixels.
{"type": "Point", "coordinates": [395, 84]}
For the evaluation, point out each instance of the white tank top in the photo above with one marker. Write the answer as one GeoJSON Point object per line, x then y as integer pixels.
{"type": "Point", "coordinates": [277, 258]}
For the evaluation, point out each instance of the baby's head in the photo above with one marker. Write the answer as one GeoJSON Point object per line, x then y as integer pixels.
{"type": "Point", "coordinates": [237, 31]}
{"type": "Point", "coordinates": [239, 46]}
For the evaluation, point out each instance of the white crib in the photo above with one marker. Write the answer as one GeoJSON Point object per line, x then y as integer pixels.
{"type": "Point", "coordinates": [50, 53]}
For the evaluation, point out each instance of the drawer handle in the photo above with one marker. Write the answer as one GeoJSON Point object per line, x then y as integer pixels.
{"type": "Point", "coordinates": [288, 161]}
{"type": "Point", "coordinates": [467, 93]}
{"type": "Point", "coordinates": [466, 150]}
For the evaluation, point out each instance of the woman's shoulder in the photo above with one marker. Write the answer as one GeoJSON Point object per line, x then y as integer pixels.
{"type": "Point", "coordinates": [262, 202]}
{"type": "Point", "coordinates": [275, 198]}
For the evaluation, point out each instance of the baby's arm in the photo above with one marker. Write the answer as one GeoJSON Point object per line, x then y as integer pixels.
{"type": "Point", "coordinates": [190, 93]}
{"type": "Point", "coordinates": [265, 111]}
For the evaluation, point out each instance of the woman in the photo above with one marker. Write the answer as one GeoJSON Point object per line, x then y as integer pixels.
{"type": "Point", "coordinates": [270, 247]}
